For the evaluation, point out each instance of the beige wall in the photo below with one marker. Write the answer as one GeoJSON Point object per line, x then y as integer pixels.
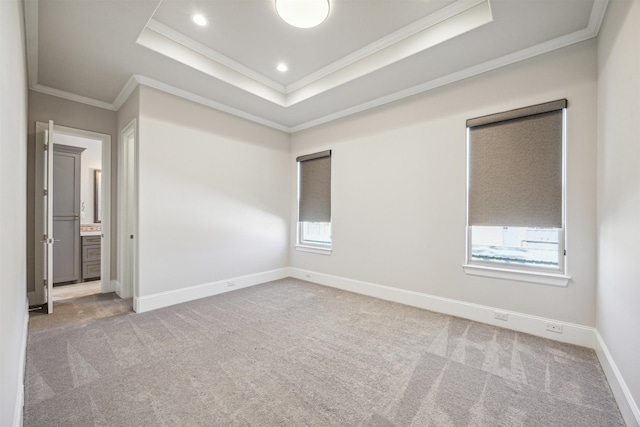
{"type": "Point", "coordinates": [213, 195]}
{"type": "Point", "coordinates": [43, 108]}
{"type": "Point", "coordinates": [399, 188]}
{"type": "Point", "coordinates": [13, 149]}
{"type": "Point", "coordinates": [618, 294]}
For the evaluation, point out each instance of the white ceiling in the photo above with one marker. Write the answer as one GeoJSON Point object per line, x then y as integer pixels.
{"type": "Point", "coordinates": [367, 53]}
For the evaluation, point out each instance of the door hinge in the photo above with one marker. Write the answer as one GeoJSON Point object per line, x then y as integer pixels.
{"type": "Point", "coordinates": [46, 147]}
{"type": "Point", "coordinates": [46, 192]}
{"type": "Point", "coordinates": [44, 283]}
{"type": "Point", "coordinates": [565, 252]}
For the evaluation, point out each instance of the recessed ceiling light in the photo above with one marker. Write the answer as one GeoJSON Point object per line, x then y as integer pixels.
{"type": "Point", "coordinates": [199, 19]}
{"type": "Point", "coordinates": [303, 13]}
{"type": "Point", "coordinates": [282, 67]}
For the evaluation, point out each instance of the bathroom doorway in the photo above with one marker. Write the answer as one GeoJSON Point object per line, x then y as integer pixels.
{"type": "Point", "coordinates": [73, 238]}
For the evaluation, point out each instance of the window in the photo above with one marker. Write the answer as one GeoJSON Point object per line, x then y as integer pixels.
{"type": "Point", "coordinates": [314, 202]}
{"type": "Point", "coordinates": [515, 194]}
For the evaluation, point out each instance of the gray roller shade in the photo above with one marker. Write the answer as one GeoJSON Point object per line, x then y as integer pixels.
{"type": "Point", "coordinates": [515, 167]}
{"type": "Point", "coordinates": [314, 198]}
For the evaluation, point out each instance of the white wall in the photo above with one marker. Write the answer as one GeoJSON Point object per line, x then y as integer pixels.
{"type": "Point", "coordinates": [13, 151]}
{"type": "Point", "coordinates": [91, 160]}
{"type": "Point", "coordinates": [399, 188]}
{"type": "Point", "coordinates": [213, 195]}
{"type": "Point", "coordinates": [618, 294]}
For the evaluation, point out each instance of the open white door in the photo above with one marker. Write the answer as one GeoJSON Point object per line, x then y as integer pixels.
{"type": "Point", "coordinates": [42, 294]}
{"type": "Point", "coordinates": [49, 218]}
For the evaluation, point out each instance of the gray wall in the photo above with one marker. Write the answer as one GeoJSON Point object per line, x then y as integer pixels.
{"type": "Point", "coordinates": [399, 188]}
{"type": "Point", "coordinates": [213, 195]}
{"type": "Point", "coordinates": [13, 149]}
{"type": "Point", "coordinates": [618, 294]}
{"type": "Point", "coordinates": [43, 108]}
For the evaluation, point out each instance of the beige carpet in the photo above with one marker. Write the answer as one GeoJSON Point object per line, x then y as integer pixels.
{"type": "Point", "coordinates": [291, 353]}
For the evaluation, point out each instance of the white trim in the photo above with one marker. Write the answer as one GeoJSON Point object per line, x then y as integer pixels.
{"type": "Point", "coordinates": [517, 275]}
{"type": "Point", "coordinates": [127, 259]}
{"type": "Point", "coordinates": [125, 92]}
{"type": "Point", "coordinates": [160, 43]}
{"type": "Point", "coordinates": [72, 97]}
{"type": "Point", "coordinates": [595, 20]}
{"type": "Point", "coordinates": [597, 15]}
{"type": "Point", "coordinates": [314, 249]}
{"type": "Point", "coordinates": [542, 48]}
{"type": "Point", "coordinates": [628, 407]}
{"type": "Point", "coordinates": [146, 81]}
{"type": "Point", "coordinates": [212, 54]}
{"type": "Point", "coordinates": [105, 272]}
{"type": "Point", "coordinates": [534, 325]}
{"type": "Point", "coordinates": [165, 299]}
{"type": "Point", "coordinates": [389, 40]}
{"type": "Point", "coordinates": [22, 362]}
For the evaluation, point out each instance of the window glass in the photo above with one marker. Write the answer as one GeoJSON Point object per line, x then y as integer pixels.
{"type": "Point", "coordinates": [521, 246]}
{"type": "Point", "coordinates": [318, 233]}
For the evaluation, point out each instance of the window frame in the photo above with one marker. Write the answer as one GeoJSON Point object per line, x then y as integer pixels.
{"type": "Point", "coordinates": [515, 271]}
{"type": "Point", "coordinates": [305, 245]}
{"type": "Point", "coordinates": [309, 246]}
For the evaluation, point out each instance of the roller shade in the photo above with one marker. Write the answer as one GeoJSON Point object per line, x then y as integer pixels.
{"type": "Point", "coordinates": [515, 167]}
{"type": "Point", "coordinates": [314, 197]}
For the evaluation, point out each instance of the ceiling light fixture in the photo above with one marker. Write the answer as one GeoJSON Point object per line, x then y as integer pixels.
{"type": "Point", "coordinates": [282, 67]}
{"type": "Point", "coordinates": [303, 13]}
{"type": "Point", "coordinates": [199, 19]}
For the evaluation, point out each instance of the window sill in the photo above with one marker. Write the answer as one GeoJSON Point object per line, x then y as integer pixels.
{"type": "Point", "coordinates": [314, 249]}
{"type": "Point", "coordinates": [518, 275]}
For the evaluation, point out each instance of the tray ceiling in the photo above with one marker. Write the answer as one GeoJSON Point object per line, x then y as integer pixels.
{"type": "Point", "coordinates": [367, 53]}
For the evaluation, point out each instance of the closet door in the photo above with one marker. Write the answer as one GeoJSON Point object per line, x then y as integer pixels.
{"type": "Point", "coordinates": [66, 213]}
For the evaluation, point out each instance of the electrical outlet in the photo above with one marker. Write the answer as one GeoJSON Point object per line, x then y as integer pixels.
{"type": "Point", "coordinates": [500, 315]}
{"type": "Point", "coordinates": [554, 327]}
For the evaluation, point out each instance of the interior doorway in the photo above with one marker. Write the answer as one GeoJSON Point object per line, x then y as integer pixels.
{"type": "Point", "coordinates": [84, 224]}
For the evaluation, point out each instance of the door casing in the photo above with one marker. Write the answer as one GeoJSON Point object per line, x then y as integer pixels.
{"type": "Point", "coordinates": [39, 296]}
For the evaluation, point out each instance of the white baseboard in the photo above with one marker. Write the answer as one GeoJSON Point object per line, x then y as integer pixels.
{"type": "Point", "coordinates": [571, 333]}
{"type": "Point", "coordinates": [18, 412]}
{"type": "Point", "coordinates": [165, 299]}
{"type": "Point", "coordinates": [627, 405]}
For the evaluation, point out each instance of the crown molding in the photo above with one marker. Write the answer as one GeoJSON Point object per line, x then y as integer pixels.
{"type": "Point", "coordinates": [31, 25]}
{"type": "Point", "coordinates": [178, 52]}
{"type": "Point", "coordinates": [597, 15]}
{"type": "Point", "coordinates": [385, 42]}
{"type": "Point", "coordinates": [72, 97]}
{"type": "Point", "coordinates": [213, 55]}
{"type": "Point", "coordinates": [149, 82]}
{"type": "Point", "coordinates": [558, 43]}
{"type": "Point", "coordinates": [449, 22]}
{"type": "Point", "coordinates": [126, 91]}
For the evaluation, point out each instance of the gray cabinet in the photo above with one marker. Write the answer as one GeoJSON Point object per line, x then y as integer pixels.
{"type": "Point", "coordinates": [66, 213]}
{"type": "Point", "coordinates": [91, 255]}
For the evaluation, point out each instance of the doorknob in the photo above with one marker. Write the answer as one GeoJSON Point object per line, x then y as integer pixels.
{"type": "Point", "coordinates": [49, 240]}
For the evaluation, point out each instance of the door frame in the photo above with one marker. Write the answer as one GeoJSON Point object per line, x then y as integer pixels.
{"type": "Point", "coordinates": [127, 283]}
{"type": "Point", "coordinates": [37, 298]}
